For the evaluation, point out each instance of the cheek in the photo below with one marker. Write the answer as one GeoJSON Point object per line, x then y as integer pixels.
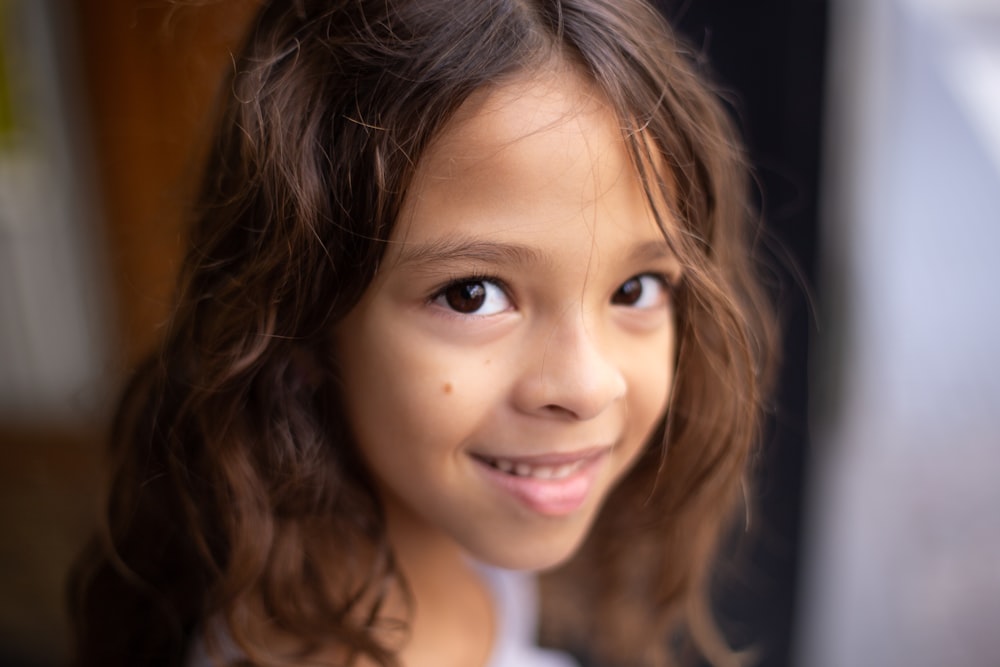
{"type": "Point", "coordinates": [408, 397]}
{"type": "Point", "coordinates": [650, 385]}
{"type": "Point", "coordinates": [656, 381]}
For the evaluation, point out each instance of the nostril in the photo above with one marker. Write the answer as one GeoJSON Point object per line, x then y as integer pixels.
{"type": "Point", "coordinates": [559, 409]}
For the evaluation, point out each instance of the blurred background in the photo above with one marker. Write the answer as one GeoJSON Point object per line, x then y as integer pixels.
{"type": "Point", "coordinates": [874, 126]}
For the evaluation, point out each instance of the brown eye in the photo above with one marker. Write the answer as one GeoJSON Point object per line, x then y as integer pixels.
{"type": "Point", "coordinates": [474, 297]}
{"type": "Point", "coordinates": [644, 291]}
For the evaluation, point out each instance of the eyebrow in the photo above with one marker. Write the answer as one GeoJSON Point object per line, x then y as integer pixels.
{"type": "Point", "coordinates": [652, 251]}
{"type": "Point", "coordinates": [492, 252]}
{"type": "Point", "coordinates": [468, 250]}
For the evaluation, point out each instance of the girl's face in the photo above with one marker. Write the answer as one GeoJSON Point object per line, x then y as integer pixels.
{"type": "Point", "coordinates": [516, 349]}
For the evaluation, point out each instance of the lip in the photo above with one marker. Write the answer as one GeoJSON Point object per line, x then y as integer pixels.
{"type": "Point", "coordinates": [548, 459]}
{"type": "Point", "coordinates": [548, 497]}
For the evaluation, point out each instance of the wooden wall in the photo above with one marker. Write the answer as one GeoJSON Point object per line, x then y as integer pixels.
{"type": "Point", "coordinates": [153, 69]}
{"type": "Point", "coordinates": [150, 71]}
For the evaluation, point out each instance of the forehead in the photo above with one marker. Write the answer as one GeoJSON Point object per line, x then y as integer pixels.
{"type": "Point", "coordinates": [543, 148]}
{"type": "Point", "coordinates": [557, 99]}
{"type": "Point", "coordinates": [557, 104]}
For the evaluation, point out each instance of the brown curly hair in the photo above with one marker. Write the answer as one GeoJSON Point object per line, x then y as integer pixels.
{"type": "Point", "coordinates": [236, 486]}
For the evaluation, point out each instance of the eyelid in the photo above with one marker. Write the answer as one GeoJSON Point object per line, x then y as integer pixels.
{"type": "Point", "coordinates": [665, 284]}
{"type": "Point", "coordinates": [474, 277]}
{"type": "Point", "coordinates": [672, 280]}
{"type": "Point", "coordinates": [666, 279]}
{"type": "Point", "coordinates": [440, 295]}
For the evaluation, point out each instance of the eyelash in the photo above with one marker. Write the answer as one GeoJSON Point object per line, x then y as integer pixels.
{"type": "Point", "coordinates": [666, 281]}
{"type": "Point", "coordinates": [469, 279]}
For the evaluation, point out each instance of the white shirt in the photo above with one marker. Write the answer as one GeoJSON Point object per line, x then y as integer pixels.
{"type": "Point", "coordinates": [515, 598]}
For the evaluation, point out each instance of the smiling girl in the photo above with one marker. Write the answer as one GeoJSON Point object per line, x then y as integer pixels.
{"type": "Point", "coordinates": [468, 297]}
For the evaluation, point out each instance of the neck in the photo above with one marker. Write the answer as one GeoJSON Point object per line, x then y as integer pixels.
{"type": "Point", "coordinates": [451, 620]}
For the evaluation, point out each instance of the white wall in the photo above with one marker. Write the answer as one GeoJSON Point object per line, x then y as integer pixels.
{"type": "Point", "coordinates": [903, 558]}
{"type": "Point", "coordinates": [54, 324]}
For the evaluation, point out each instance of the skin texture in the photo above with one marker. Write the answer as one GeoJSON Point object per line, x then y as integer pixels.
{"type": "Point", "coordinates": [527, 201]}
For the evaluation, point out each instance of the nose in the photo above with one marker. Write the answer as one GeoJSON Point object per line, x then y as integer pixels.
{"type": "Point", "coordinates": [569, 372]}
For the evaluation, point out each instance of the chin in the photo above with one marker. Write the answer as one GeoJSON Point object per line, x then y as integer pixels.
{"type": "Point", "coordinates": [532, 553]}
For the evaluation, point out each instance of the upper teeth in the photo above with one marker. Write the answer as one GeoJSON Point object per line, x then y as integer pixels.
{"type": "Point", "coordinates": [538, 472]}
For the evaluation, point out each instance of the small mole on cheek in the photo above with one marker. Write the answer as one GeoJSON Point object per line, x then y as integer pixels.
{"type": "Point", "coordinates": [447, 387]}
{"type": "Point", "coordinates": [487, 362]}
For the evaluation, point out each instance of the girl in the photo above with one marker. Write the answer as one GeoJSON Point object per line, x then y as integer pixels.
{"type": "Point", "coordinates": [468, 294]}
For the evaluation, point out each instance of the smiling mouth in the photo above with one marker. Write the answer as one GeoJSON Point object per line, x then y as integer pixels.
{"type": "Point", "coordinates": [549, 484]}
{"type": "Point", "coordinates": [522, 469]}
{"type": "Point", "coordinates": [544, 466]}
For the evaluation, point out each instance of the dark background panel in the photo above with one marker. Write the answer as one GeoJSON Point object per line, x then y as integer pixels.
{"type": "Point", "coordinates": [769, 57]}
